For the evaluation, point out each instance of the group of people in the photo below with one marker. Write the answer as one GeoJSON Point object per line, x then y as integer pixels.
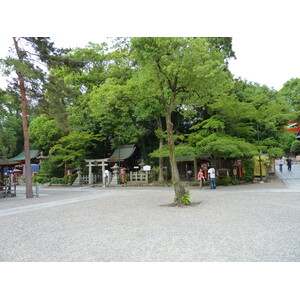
{"type": "Point", "coordinates": [288, 162]}
{"type": "Point", "coordinates": [211, 176]}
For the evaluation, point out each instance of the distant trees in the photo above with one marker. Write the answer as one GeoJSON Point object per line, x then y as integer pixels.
{"type": "Point", "coordinates": [11, 140]}
{"type": "Point", "coordinates": [291, 92]}
{"type": "Point", "coordinates": [170, 96]}
{"type": "Point", "coordinates": [44, 132]}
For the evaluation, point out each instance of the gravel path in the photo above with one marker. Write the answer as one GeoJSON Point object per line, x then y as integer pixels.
{"type": "Point", "coordinates": [251, 223]}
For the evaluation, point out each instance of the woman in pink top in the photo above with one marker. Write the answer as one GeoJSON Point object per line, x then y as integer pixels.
{"type": "Point", "coordinates": [200, 178]}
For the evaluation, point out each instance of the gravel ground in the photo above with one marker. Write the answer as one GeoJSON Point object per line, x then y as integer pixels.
{"type": "Point", "coordinates": [250, 223]}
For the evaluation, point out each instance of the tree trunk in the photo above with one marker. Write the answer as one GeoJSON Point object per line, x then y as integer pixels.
{"type": "Point", "coordinates": [161, 159]}
{"type": "Point", "coordinates": [29, 192]}
{"type": "Point", "coordinates": [178, 185]}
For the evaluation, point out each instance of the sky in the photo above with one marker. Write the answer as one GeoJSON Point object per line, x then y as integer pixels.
{"type": "Point", "coordinates": [265, 33]}
{"type": "Point", "coordinates": [263, 59]}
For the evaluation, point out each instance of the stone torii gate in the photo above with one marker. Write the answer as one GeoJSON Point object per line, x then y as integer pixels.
{"type": "Point", "coordinates": [96, 163]}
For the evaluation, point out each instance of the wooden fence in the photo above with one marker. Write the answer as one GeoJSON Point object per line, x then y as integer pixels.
{"type": "Point", "coordinates": [139, 176]}
{"type": "Point", "coordinates": [96, 179]}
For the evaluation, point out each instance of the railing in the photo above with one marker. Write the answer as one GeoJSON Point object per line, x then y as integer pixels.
{"type": "Point", "coordinates": [138, 176]}
{"type": "Point", "coordinates": [8, 190]}
{"type": "Point", "coordinates": [96, 178]}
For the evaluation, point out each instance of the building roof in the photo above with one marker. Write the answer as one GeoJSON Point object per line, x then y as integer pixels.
{"type": "Point", "coordinates": [185, 158]}
{"type": "Point", "coordinates": [6, 162]}
{"type": "Point", "coordinates": [122, 153]}
{"type": "Point", "coordinates": [21, 156]}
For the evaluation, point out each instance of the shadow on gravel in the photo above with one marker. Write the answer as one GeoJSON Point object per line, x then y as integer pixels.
{"type": "Point", "coordinates": [175, 204]}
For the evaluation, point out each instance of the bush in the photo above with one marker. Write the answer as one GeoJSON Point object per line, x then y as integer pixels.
{"type": "Point", "coordinates": [56, 180]}
{"type": "Point", "coordinates": [186, 198]}
{"type": "Point", "coordinates": [40, 179]}
{"type": "Point", "coordinates": [248, 169]}
{"type": "Point", "coordinates": [50, 169]}
{"type": "Point", "coordinates": [234, 181]}
{"type": "Point", "coordinates": [73, 178]}
{"type": "Point", "coordinates": [223, 181]}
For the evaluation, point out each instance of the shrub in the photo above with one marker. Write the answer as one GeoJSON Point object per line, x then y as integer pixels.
{"type": "Point", "coordinates": [234, 181]}
{"type": "Point", "coordinates": [248, 169]}
{"type": "Point", "coordinates": [186, 198]}
{"type": "Point", "coordinates": [50, 169]}
{"type": "Point", "coordinates": [40, 179]}
{"type": "Point", "coordinates": [223, 181]}
{"type": "Point", "coordinates": [56, 180]}
{"type": "Point", "coordinates": [73, 178]}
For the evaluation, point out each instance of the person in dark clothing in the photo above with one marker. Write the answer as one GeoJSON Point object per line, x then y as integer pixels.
{"type": "Point", "coordinates": [289, 163]}
{"type": "Point", "coordinates": [280, 164]}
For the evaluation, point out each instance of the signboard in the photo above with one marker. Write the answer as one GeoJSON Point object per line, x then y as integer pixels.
{"type": "Point", "coordinates": [146, 168]}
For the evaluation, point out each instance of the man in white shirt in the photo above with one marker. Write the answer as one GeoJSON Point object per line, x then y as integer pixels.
{"type": "Point", "coordinates": [212, 177]}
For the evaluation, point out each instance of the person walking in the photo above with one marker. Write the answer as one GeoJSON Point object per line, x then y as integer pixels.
{"type": "Point", "coordinates": [289, 163]}
{"type": "Point", "coordinates": [280, 164]}
{"type": "Point", "coordinates": [201, 178]}
{"type": "Point", "coordinates": [189, 175]}
{"type": "Point", "coordinates": [212, 177]}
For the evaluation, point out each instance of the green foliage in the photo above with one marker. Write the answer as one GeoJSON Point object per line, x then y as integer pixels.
{"type": "Point", "coordinates": [295, 147]}
{"type": "Point", "coordinates": [213, 124]}
{"type": "Point", "coordinates": [153, 175]}
{"type": "Point", "coordinates": [55, 180]}
{"type": "Point", "coordinates": [73, 148]}
{"type": "Point", "coordinates": [50, 169]}
{"type": "Point", "coordinates": [180, 150]}
{"type": "Point", "coordinates": [224, 146]}
{"type": "Point", "coordinates": [248, 169]}
{"type": "Point", "coordinates": [11, 135]}
{"type": "Point", "coordinates": [223, 181]}
{"type": "Point", "coordinates": [291, 92]}
{"type": "Point", "coordinates": [185, 199]}
{"type": "Point", "coordinates": [73, 178]}
{"type": "Point", "coordinates": [44, 133]}
{"type": "Point", "coordinates": [285, 140]}
{"type": "Point", "coordinates": [40, 179]}
{"type": "Point", "coordinates": [275, 152]}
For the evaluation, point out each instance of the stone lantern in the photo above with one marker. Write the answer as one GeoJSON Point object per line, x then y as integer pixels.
{"type": "Point", "coordinates": [141, 164]}
{"type": "Point", "coordinates": [78, 180]}
{"type": "Point", "coordinates": [115, 171]}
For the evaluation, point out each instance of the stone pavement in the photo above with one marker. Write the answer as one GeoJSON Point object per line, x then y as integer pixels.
{"type": "Point", "coordinates": [249, 223]}
{"type": "Point", "coordinates": [290, 178]}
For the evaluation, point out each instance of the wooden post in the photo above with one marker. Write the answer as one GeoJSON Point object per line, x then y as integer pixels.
{"type": "Point", "coordinates": [103, 173]}
{"type": "Point", "coordinates": [90, 173]}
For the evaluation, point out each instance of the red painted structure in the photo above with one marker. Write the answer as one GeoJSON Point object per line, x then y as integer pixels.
{"type": "Point", "coordinates": [294, 129]}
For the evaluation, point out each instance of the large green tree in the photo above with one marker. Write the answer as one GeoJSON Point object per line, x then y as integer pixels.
{"type": "Point", "coordinates": [33, 55]}
{"type": "Point", "coordinates": [185, 73]}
